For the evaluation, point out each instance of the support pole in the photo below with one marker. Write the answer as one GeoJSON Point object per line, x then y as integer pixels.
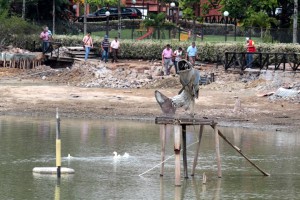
{"type": "Point", "coordinates": [58, 145]}
{"type": "Point", "coordinates": [163, 147]}
{"type": "Point", "coordinates": [240, 152]}
{"type": "Point", "coordinates": [217, 143]}
{"type": "Point", "coordinates": [177, 153]}
{"type": "Point", "coordinates": [184, 151]}
{"type": "Point", "coordinates": [197, 150]}
{"type": "Point", "coordinates": [57, 190]}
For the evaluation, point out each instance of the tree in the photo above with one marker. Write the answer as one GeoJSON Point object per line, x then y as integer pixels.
{"type": "Point", "coordinates": [189, 8]}
{"type": "Point", "coordinates": [295, 21]}
{"type": "Point", "coordinates": [156, 20]}
{"type": "Point", "coordinates": [260, 19]}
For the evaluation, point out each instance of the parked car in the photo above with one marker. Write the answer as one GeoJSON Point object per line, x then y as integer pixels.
{"type": "Point", "coordinates": [99, 15]}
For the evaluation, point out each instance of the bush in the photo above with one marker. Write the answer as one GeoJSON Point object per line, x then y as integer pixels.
{"type": "Point", "coordinates": [151, 49]}
{"type": "Point", "coordinates": [13, 30]}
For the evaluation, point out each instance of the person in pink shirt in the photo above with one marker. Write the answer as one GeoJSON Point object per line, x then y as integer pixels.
{"type": "Point", "coordinates": [88, 44]}
{"type": "Point", "coordinates": [166, 58]}
{"type": "Point", "coordinates": [44, 36]}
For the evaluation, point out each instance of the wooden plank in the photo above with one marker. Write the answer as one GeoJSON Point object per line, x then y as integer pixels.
{"type": "Point", "coordinates": [177, 153]}
{"type": "Point", "coordinates": [186, 121]}
{"type": "Point", "coordinates": [81, 52]}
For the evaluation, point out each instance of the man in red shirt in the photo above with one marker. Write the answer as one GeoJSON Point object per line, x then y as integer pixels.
{"type": "Point", "coordinates": [251, 49]}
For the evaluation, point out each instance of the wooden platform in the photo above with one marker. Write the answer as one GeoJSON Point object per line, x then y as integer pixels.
{"type": "Point", "coordinates": [180, 128]}
{"type": "Point", "coordinates": [180, 124]}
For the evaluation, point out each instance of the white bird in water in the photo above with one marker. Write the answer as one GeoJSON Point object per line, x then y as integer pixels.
{"type": "Point", "coordinates": [126, 155]}
{"type": "Point", "coordinates": [116, 155]}
{"type": "Point", "coordinates": [69, 156]}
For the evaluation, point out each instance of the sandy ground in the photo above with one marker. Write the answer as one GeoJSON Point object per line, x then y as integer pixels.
{"type": "Point", "coordinates": [36, 97]}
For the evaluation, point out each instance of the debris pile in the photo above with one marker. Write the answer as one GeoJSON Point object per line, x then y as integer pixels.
{"type": "Point", "coordinates": [60, 52]}
{"type": "Point", "coordinates": [12, 50]}
{"type": "Point", "coordinates": [100, 74]}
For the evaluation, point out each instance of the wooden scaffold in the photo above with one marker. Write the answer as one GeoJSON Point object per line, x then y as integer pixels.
{"type": "Point", "coordinates": [180, 125]}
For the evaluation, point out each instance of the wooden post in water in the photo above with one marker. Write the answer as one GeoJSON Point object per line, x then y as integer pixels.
{"type": "Point", "coordinates": [197, 150]}
{"type": "Point", "coordinates": [163, 128]}
{"type": "Point", "coordinates": [217, 150]}
{"type": "Point", "coordinates": [58, 145]}
{"type": "Point", "coordinates": [177, 148]}
{"type": "Point", "coordinates": [184, 151]}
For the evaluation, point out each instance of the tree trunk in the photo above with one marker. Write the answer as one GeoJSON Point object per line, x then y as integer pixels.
{"type": "Point", "coordinates": [119, 19]}
{"type": "Point", "coordinates": [84, 18]}
{"type": "Point", "coordinates": [193, 29]}
{"type": "Point", "coordinates": [295, 21]}
{"type": "Point", "coordinates": [53, 15]}
{"type": "Point", "coordinates": [23, 9]}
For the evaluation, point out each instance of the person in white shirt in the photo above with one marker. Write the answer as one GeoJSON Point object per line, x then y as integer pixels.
{"type": "Point", "coordinates": [178, 56]}
{"type": "Point", "coordinates": [114, 48]}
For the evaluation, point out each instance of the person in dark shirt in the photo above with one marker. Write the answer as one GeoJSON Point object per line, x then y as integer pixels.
{"type": "Point", "coordinates": [105, 48]}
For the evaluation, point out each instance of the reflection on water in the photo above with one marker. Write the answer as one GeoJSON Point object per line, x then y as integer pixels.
{"type": "Point", "coordinates": [27, 143]}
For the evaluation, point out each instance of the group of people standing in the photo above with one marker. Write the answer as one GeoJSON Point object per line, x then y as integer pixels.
{"type": "Point", "coordinates": [170, 58]}
{"type": "Point", "coordinates": [106, 47]}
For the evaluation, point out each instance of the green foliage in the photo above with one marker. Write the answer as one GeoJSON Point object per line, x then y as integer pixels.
{"type": "Point", "coordinates": [151, 49]}
{"type": "Point", "coordinates": [16, 25]}
{"type": "Point", "coordinates": [260, 19]}
{"type": "Point", "coordinates": [267, 38]}
{"type": "Point", "coordinates": [11, 27]}
{"type": "Point", "coordinates": [155, 20]}
{"type": "Point", "coordinates": [240, 8]}
{"type": "Point", "coordinates": [104, 2]}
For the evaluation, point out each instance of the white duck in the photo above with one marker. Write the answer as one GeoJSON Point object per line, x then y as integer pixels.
{"type": "Point", "coordinates": [126, 155]}
{"type": "Point", "coordinates": [69, 156]}
{"type": "Point", "coordinates": [116, 155]}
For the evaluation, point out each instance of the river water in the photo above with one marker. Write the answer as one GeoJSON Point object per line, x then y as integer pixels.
{"type": "Point", "coordinates": [26, 143]}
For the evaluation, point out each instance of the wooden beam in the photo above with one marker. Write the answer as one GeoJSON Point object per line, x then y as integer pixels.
{"type": "Point", "coordinates": [184, 121]}
{"type": "Point", "coordinates": [197, 150]}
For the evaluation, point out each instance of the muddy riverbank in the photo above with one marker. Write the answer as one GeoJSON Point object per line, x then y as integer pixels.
{"type": "Point", "coordinates": [233, 99]}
